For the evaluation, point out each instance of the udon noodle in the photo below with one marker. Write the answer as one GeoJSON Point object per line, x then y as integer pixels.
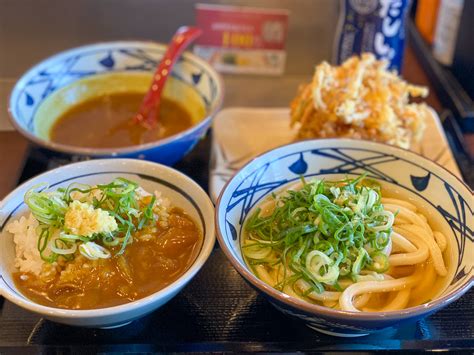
{"type": "Point", "coordinates": [342, 245]}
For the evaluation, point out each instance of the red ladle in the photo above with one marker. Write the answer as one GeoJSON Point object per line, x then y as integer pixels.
{"type": "Point", "coordinates": [148, 114]}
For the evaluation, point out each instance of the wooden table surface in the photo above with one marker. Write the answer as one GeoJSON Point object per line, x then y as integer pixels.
{"type": "Point", "coordinates": [13, 146]}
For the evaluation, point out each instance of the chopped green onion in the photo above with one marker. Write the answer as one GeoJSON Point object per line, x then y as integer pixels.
{"type": "Point", "coordinates": [257, 251]}
{"type": "Point", "coordinates": [94, 251]}
{"type": "Point", "coordinates": [360, 261]}
{"type": "Point", "coordinates": [119, 198]}
{"type": "Point", "coordinates": [62, 247]}
{"type": "Point", "coordinates": [47, 207]}
{"type": "Point", "coordinates": [379, 262]}
{"type": "Point", "coordinates": [322, 232]}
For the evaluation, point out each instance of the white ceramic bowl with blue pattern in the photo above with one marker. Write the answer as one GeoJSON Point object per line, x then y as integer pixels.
{"type": "Point", "coordinates": [432, 186]}
{"type": "Point", "coordinates": [180, 189]}
{"type": "Point", "coordinates": [48, 89]}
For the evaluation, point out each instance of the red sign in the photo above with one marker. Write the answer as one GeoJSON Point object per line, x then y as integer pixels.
{"type": "Point", "coordinates": [242, 27]}
{"type": "Point", "coordinates": [242, 39]}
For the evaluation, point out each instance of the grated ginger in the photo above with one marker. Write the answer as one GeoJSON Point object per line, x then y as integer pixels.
{"type": "Point", "coordinates": [85, 220]}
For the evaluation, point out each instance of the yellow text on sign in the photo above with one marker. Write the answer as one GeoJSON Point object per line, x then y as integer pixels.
{"type": "Point", "coordinates": [235, 39]}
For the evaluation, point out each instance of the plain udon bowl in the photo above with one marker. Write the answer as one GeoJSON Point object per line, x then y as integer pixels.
{"type": "Point", "coordinates": [444, 196]}
{"type": "Point", "coordinates": [180, 189]}
{"type": "Point", "coordinates": [69, 78]}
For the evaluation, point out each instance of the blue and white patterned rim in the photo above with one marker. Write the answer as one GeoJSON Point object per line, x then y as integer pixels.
{"type": "Point", "coordinates": [348, 165]}
{"type": "Point", "coordinates": [66, 67]}
{"type": "Point", "coordinates": [142, 176]}
{"type": "Point", "coordinates": [256, 184]}
{"type": "Point", "coordinates": [202, 208]}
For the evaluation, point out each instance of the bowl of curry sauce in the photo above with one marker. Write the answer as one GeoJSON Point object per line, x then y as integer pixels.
{"type": "Point", "coordinates": [80, 102]}
{"type": "Point", "coordinates": [104, 283]}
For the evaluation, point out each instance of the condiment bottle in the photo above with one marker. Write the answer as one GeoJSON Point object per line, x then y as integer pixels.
{"type": "Point", "coordinates": [376, 26]}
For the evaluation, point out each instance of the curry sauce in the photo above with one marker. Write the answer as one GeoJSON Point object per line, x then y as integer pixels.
{"type": "Point", "coordinates": [106, 122]}
{"type": "Point", "coordinates": [157, 257]}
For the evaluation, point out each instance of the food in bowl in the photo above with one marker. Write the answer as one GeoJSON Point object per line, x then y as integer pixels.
{"type": "Point", "coordinates": [347, 244]}
{"type": "Point", "coordinates": [360, 99]}
{"type": "Point", "coordinates": [440, 196]}
{"type": "Point", "coordinates": [111, 116]}
{"type": "Point", "coordinates": [88, 247]}
{"type": "Point", "coordinates": [97, 112]}
{"type": "Point", "coordinates": [39, 98]}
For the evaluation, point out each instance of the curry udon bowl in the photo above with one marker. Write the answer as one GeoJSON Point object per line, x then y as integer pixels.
{"type": "Point", "coordinates": [181, 191]}
{"type": "Point", "coordinates": [440, 195]}
{"type": "Point", "coordinates": [66, 80]}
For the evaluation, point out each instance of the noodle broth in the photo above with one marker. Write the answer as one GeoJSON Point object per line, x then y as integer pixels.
{"type": "Point", "coordinates": [433, 285]}
{"type": "Point", "coordinates": [426, 285]}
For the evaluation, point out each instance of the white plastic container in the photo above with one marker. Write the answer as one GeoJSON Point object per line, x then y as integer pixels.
{"type": "Point", "coordinates": [447, 27]}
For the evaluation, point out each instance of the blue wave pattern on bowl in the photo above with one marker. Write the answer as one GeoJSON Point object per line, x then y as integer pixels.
{"type": "Point", "coordinates": [144, 177]}
{"type": "Point", "coordinates": [182, 191]}
{"type": "Point", "coordinates": [69, 66]}
{"type": "Point", "coordinates": [258, 180]}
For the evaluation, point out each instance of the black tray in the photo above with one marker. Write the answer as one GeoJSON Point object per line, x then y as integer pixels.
{"type": "Point", "coordinates": [218, 311]}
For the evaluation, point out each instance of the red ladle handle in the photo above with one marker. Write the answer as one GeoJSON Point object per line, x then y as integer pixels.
{"type": "Point", "coordinates": [149, 110]}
